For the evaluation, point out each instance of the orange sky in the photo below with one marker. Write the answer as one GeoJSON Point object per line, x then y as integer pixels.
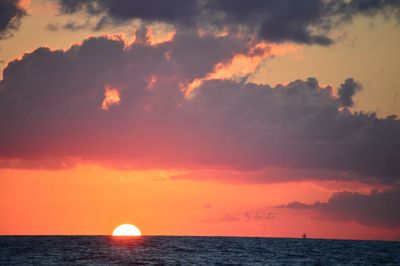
{"type": "Point", "coordinates": [90, 199]}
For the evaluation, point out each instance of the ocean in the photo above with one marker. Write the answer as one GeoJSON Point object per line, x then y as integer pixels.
{"type": "Point", "coordinates": [187, 250]}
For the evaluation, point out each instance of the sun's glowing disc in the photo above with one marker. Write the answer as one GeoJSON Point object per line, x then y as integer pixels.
{"type": "Point", "coordinates": [126, 230]}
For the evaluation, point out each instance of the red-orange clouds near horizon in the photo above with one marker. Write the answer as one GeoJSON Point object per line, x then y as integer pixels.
{"type": "Point", "coordinates": [90, 199]}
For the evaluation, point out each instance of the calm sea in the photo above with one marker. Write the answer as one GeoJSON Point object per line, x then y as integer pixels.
{"type": "Point", "coordinates": [171, 250]}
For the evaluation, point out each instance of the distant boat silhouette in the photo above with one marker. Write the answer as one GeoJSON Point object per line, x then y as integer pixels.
{"type": "Point", "coordinates": [304, 236]}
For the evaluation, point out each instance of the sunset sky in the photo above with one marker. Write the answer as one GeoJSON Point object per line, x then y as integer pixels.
{"type": "Point", "coordinates": [200, 117]}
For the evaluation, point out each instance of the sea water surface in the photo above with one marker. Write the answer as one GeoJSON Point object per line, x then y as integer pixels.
{"type": "Point", "coordinates": [180, 250]}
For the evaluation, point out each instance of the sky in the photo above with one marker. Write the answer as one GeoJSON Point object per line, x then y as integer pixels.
{"type": "Point", "coordinates": [200, 117]}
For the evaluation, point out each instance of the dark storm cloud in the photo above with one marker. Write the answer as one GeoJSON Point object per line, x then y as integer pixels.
{"type": "Point", "coordinates": [306, 21]}
{"type": "Point", "coordinates": [50, 108]}
{"type": "Point", "coordinates": [378, 209]}
{"type": "Point", "coordinates": [11, 14]}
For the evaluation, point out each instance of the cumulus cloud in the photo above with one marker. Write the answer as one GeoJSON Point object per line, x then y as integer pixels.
{"type": "Point", "coordinates": [299, 125]}
{"type": "Point", "coordinates": [51, 108]}
{"type": "Point", "coordinates": [306, 22]}
{"type": "Point", "coordinates": [346, 92]}
{"type": "Point", "coordinates": [377, 209]}
{"type": "Point", "coordinates": [11, 13]}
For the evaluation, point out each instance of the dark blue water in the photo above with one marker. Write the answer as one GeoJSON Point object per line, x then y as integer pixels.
{"type": "Point", "coordinates": [169, 250]}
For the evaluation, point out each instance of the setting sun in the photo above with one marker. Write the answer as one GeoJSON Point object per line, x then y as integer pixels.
{"type": "Point", "coordinates": [126, 230]}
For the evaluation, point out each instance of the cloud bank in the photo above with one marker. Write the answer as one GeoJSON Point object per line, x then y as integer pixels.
{"type": "Point", "coordinates": [305, 22]}
{"type": "Point", "coordinates": [377, 209]}
{"type": "Point", "coordinates": [52, 108]}
{"type": "Point", "coordinates": [11, 13]}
